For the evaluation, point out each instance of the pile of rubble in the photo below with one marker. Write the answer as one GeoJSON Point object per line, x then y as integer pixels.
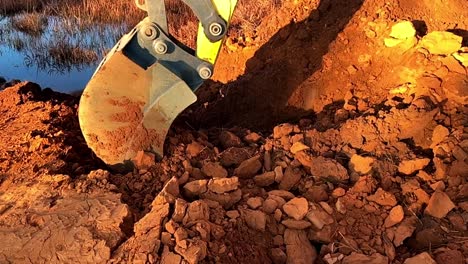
{"type": "Point", "coordinates": [369, 191]}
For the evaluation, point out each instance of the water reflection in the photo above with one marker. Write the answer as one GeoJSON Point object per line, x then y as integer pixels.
{"type": "Point", "coordinates": [63, 56]}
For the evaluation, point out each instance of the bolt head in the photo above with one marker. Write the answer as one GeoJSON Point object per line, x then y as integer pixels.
{"type": "Point", "coordinates": [150, 32]}
{"type": "Point", "coordinates": [205, 73]}
{"type": "Point", "coordinates": [160, 47]}
{"type": "Point", "coordinates": [216, 29]}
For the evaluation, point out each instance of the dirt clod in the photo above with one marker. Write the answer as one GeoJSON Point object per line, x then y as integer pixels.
{"type": "Point", "coordinates": [439, 205]}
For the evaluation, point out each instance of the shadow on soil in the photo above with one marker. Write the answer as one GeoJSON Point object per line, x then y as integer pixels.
{"type": "Point", "coordinates": [259, 98]}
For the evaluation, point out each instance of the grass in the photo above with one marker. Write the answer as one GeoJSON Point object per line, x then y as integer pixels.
{"type": "Point", "coordinates": [182, 21]}
{"type": "Point", "coordinates": [33, 23]}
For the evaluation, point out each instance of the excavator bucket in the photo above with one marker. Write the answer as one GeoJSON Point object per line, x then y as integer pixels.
{"type": "Point", "coordinates": [124, 111]}
{"type": "Point", "coordinates": [144, 83]}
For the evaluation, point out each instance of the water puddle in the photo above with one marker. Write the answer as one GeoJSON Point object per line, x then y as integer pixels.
{"type": "Point", "coordinates": [61, 55]}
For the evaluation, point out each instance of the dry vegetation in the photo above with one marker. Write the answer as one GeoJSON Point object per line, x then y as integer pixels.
{"type": "Point", "coordinates": [183, 23]}
{"type": "Point", "coordinates": [31, 23]}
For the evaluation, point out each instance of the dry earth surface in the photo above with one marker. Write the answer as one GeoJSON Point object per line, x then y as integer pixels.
{"type": "Point", "coordinates": [331, 136]}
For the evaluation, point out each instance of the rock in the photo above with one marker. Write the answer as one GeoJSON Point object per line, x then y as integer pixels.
{"type": "Point", "coordinates": [2, 80]}
{"type": "Point", "coordinates": [441, 169]}
{"type": "Point", "coordinates": [441, 42]}
{"type": "Point", "coordinates": [179, 210]}
{"type": "Point", "coordinates": [338, 192]}
{"type": "Point", "coordinates": [229, 139]}
{"type": "Point", "coordinates": [318, 217]}
{"type": "Point", "coordinates": [194, 148]}
{"type": "Point", "coordinates": [252, 137]}
{"type": "Point", "coordinates": [424, 176]}
{"type": "Point", "coordinates": [283, 194]}
{"type": "Point", "coordinates": [365, 184]}
{"type": "Point", "coordinates": [409, 167]}
{"type": "Point", "coordinates": [297, 147]}
{"type": "Point", "coordinates": [439, 134]}
{"type": "Point", "coordinates": [449, 256]}
{"type": "Point", "coordinates": [296, 208]}
{"type": "Point", "coordinates": [265, 179]}
{"type": "Point", "coordinates": [255, 202]}
{"type": "Point", "coordinates": [333, 259]}
{"type": "Point", "coordinates": [248, 168]}
{"type": "Point", "coordinates": [290, 178]}
{"type": "Point", "coordinates": [204, 228]}
{"type": "Point", "coordinates": [282, 130]}
{"type": "Point", "coordinates": [438, 186]}
{"type": "Point", "coordinates": [255, 219]}
{"type": "Point", "coordinates": [278, 215]}
{"type": "Point", "coordinates": [361, 165]}
{"type": "Point", "coordinates": [223, 185]}
{"type": "Point", "coordinates": [357, 258]}
{"type": "Point", "coordinates": [171, 226]}
{"type": "Point", "coordinates": [460, 154]}
{"type": "Point", "coordinates": [184, 178]}
{"type": "Point", "coordinates": [195, 188]}
{"type": "Point", "coordinates": [323, 236]}
{"type": "Point", "coordinates": [326, 207]}
{"type": "Point", "coordinates": [180, 235]}
{"type": "Point", "coordinates": [328, 169]}
{"type": "Point", "coordinates": [316, 194]}
{"type": "Point", "coordinates": [412, 188]}
{"type": "Point", "coordinates": [170, 258]}
{"type": "Point", "coordinates": [169, 193]}
{"type": "Point", "coordinates": [423, 258]}
{"type": "Point", "coordinates": [439, 205]}
{"type": "Point", "coordinates": [197, 210]}
{"type": "Point", "coordinates": [296, 224]}
{"type": "Point", "coordinates": [298, 247]}
{"type": "Point", "coordinates": [144, 160]}
{"type": "Point", "coordinates": [403, 30]}
{"type": "Point", "coordinates": [340, 206]}
{"type": "Point", "coordinates": [404, 230]}
{"type": "Point", "coordinates": [395, 216]}
{"type": "Point", "coordinates": [278, 256]}
{"type": "Point", "coordinates": [269, 206]}
{"type": "Point", "coordinates": [382, 197]}
{"type": "Point", "coordinates": [195, 252]}
{"type": "Point", "coordinates": [403, 34]}
{"type": "Point", "coordinates": [462, 57]}
{"type": "Point", "coordinates": [227, 200]}
{"type": "Point", "coordinates": [214, 170]}
{"type": "Point", "coordinates": [233, 156]}
{"type": "Point", "coordinates": [152, 220]}
{"type": "Point", "coordinates": [166, 239]}
{"type": "Point", "coordinates": [278, 174]}
{"type": "Point", "coordinates": [233, 214]}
